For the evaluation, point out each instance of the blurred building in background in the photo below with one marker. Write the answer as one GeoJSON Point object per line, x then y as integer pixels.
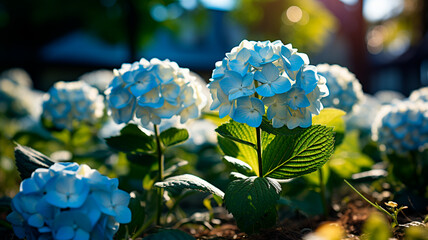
{"type": "Point", "coordinates": [384, 42]}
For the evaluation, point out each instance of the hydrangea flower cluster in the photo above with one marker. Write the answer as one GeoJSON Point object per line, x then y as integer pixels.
{"type": "Point", "coordinates": [69, 103]}
{"type": "Point", "coordinates": [155, 90]}
{"type": "Point", "coordinates": [68, 201]}
{"type": "Point", "coordinates": [420, 94]}
{"type": "Point", "coordinates": [402, 126]}
{"type": "Point", "coordinates": [345, 89]}
{"type": "Point", "coordinates": [255, 75]}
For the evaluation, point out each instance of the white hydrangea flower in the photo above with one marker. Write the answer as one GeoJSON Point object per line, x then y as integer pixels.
{"type": "Point", "coordinates": [255, 75]}
{"type": "Point", "coordinates": [17, 97]}
{"type": "Point", "coordinates": [420, 94]}
{"type": "Point", "coordinates": [402, 126]}
{"type": "Point", "coordinates": [98, 79]}
{"type": "Point", "coordinates": [152, 91]}
{"type": "Point", "coordinates": [345, 89]}
{"type": "Point", "coordinates": [70, 103]}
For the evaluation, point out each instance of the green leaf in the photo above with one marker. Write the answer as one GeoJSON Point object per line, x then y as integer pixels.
{"type": "Point", "coordinates": [191, 182]}
{"type": "Point", "coordinates": [27, 160]}
{"type": "Point", "coordinates": [328, 116]}
{"type": "Point", "coordinates": [170, 234]}
{"type": "Point", "coordinates": [290, 156]}
{"type": "Point", "coordinates": [131, 139]}
{"type": "Point", "coordinates": [252, 202]}
{"type": "Point", "coordinates": [239, 165]}
{"type": "Point", "coordinates": [238, 132]}
{"type": "Point", "coordinates": [332, 117]}
{"type": "Point", "coordinates": [173, 136]}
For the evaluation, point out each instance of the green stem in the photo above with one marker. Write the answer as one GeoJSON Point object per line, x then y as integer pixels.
{"type": "Point", "coordinates": [323, 195]}
{"type": "Point", "coordinates": [160, 171]}
{"type": "Point", "coordinates": [143, 227]}
{"type": "Point", "coordinates": [259, 150]}
{"type": "Point", "coordinates": [371, 203]}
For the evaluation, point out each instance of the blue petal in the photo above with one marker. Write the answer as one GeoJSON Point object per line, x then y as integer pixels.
{"type": "Point", "coordinates": [258, 105]}
{"type": "Point", "coordinates": [297, 61]}
{"type": "Point", "coordinates": [270, 71]}
{"type": "Point", "coordinates": [260, 77]}
{"type": "Point", "coordinates": [81, 235]}
{"type": "Point", "coordinates": [254, 119]}
{"type": "Point", "coordinates": [123, 115]}
{"type": "Point", "coordinates": [265, 90]}
{"type": "Point", "coordinates": [231, 81]}
{"type": "Point", "coordinates": [36, 220]}
{"type": "Point", "coordinates": [143, 86]}
{"type": "Point", "coordinates": [224, 110]}
{"type": "Point", "coordinates": [29, 186]}
{"type": "Point", "coordinates": [65, 232]}
{"type": "Point", "coordinates": [123, 214]}
{"type": "Point", "coordinates": [119, 98]}
{"type": "Point", "coordinates": [281, 85]}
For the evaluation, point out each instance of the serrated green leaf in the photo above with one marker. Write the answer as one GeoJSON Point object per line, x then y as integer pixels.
{"type": "Point", "coordinates": [131, 139]}
{"type": "Point", "coordinates": [27, 160]}
{"type": "Point", "coordinates": [239, 165]}
{"type": "Point", "coordinates": [252, 202]}
{"type": "Point", "coordinates": [243, 152]}
{"type": "Point", "coordinates": [289, 156]}
{"type": "Point", "coordinates": [327, 116]}
{"type": "Point", "coordinates": [173, 136]}
{"type": "Point", "coordinates": [170, 234]}
{"type": "Point", "coordinates": [332, 117]}
{"type": "Point", "coordinates": [191, 182]}
{"type": "Point", "coordinates": [238, 132]}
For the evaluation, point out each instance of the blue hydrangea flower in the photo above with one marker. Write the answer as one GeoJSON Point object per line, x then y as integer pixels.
{"type": "Point", "coordinates": [345, 89]}
{"type": "Point", "coordinates": [152, 91]}
{"type": "Point", "coordinates": [68, 201]}
{"type": "Point", "coordinates": [68, 104]}
{"type": "Point", "coordinates": [255, 75]}
{"type": "Point", "coordinates": [402, 126]}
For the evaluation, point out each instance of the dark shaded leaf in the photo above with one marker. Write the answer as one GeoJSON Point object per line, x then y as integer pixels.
{"type": "Point", "coordinates": [131, 139]}
{"type": "Point", "coordinates": [27, 160]}
{"type": "Point", "coordinates": [252, 202]}
{"type": "Point", "coordinates": [173, 136]}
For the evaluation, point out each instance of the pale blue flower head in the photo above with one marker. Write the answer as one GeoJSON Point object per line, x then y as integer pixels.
{"type": "Point", "coordinates": [402, 126]}
{"type": "Point", "coordinates": [275, 74]}
{"type": "Point", "coordinates": [68, 104]}
{"type": "Point", "coordinates": [152, 91]}
{"type": "Point", "coordinates": [345, 89]}
{"type": "Point", "coordinates": [68, 201]}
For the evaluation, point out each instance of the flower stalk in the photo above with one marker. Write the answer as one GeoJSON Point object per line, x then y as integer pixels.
{"type": "Point", "coordinates": [259, 150]}
{"type": "Point", "coordinates": [160, 171]}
